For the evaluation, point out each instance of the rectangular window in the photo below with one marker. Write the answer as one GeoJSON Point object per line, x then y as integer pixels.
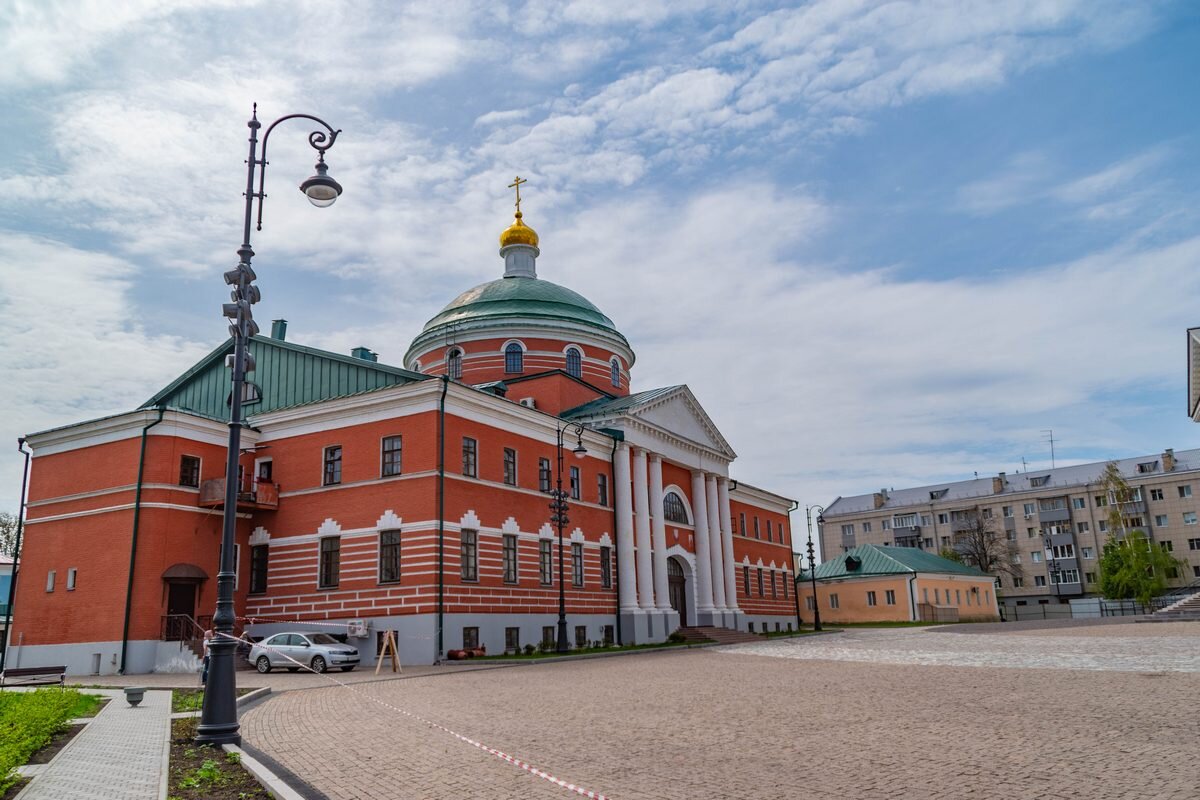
{"type": "Point", "coordinates": [1160, 520]}
{"type": "Point", "coordinates": [259, 554]}
{"type": "Point", "coordinates": [1156, 494]}
{"type": "Point", "coordinates": [470, 555]}
{"type": "Point", "coordinates": [1168, 546]}
{"type": "Point", "coordinates": [937, 597]}
{"type": "Point", "coordinates": [848, 530]}
{"type": "Point", "coordinates": [189, 471]}
{"type": "Point", "coordinates": [1081, 527]}
{"type": "Point", "coordinates": [871, 599]}
{"type": "Point", "coordinates": [581, 639]}
{"type": "Point", "coordinates": [1063, 551]}
{"type": "Point", "coordinates": [1090, 577]}
{"type": "Point", "coordinates": [890, 597]}
{"type": "Point", "coordinates": [885, 524]}
{"type": "Point", "coordinates": [833, 601]}
{"type": "Point", "coordinates": [1030, 508]}
{"type": "Point", "coordinates": [1189, 518]}
{"type": "Point", "coordinates": [333, 466]}
{"type": "Point", "coordinates": [1030, 532]}
{"type": "Point", "coordinates": [1007, 511]}
{"type": "Point", "coordinates": [510, 466]}
{"type": "Point", "coordinates": [1185, 490]}
{"type": "Point", "coordinates": [470, 455]}
{"type": "Point", "coordinates": [926, 519]}
{"type": "Point", "coordinates": [1195, 571]}
{"type": "Point", "coordinates": [606, 567]}
{"type": "Point", "coordinates": [544, 474]}
{"type": "Point", "coordinates": [783, 578]}
{"type": "Point", "coordinates": [545, 562]}
{"type": "Point", "coordinates": [1039, 580]}
{"type": "Point", "coordinates": [746, 577]}
{"type": "Point", "coordinates": [1193, 544]}
{"type": "Point", "coordinates": [602, 489]}
{"type": "Point", "coordinates": [1078, 503]}
{"type": "Point", "coordinates": [389, 556]}
{"type": "Point", "coordinates": [510, 558]}
{"type": "Point", "coordinates": [470, 638]}
{"type": "Point", "coordinates": [512, 640]}
{"type": "Point", "coordinates": [760, 582]}
{"type": "Point", "coordinates": [1010, 536]}
{"type": "Point", "coordinates": [1088, 552]}
{"type": "Point", "coordinates": [808, 602]}
{"type": "Point", "coordinates": [609, 634]}
{"type": "Point", "coordinates": [1102, 526]}
{"type": "Point", "coordinates": [774, 591]}
{"type": "Point", "coordinates": [1065, 576]}
{"type": "Point", "coordinates": [71, 579]}
{"type": "Point", "coordinates": [548, 638]}
{"type": "Point", "coordinates": [1015, 558]}
{"type": "Point", "coordinates": [1101, 500]}
{"type": "Point", "coordinates": [742, 526]}
{"type": "Point", "coordinates": [574, 483]}
{"type": "Point", "coordinates": [390, 456]}
{"type": "Point", "coordinates": [943, 518]}
{"type": "Point", "coordinates": [331, 554]}
{"type": "Point", "coordinates": [770, 534]}
{"type": "Point", "coordinates": [1018, 583]}
{"type": "Point", "coordinates": [1036, 556]}
{"type": "Point", "coordinates": [957, 597]}
{"type": "Point", "coordinates": [576, 564]}
{"type": "Point", "coordinates": [928, 542]}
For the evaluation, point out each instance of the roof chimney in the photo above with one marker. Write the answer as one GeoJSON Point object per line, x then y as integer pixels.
{"type": "Point", "coordinates": [1168, 459]}
{"type": "Point", "coordinates": [279, 329]}
{"type": "Point", "coordinates": [880, 498]}
{"type": "Point", "coordinates": [998, 484]}
{"type": "Point", "coordinates": [364, 353]}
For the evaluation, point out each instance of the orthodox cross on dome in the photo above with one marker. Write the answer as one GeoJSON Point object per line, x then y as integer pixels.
{"type": "Point", "coordinates": [516, 184]}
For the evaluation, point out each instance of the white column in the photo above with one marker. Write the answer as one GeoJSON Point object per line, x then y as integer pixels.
{"type": "Point", "coordinates": [704, 593]}
{"type": "Point", "coordinates": [658, 529]}
{"type": "Point", "coordinates": [714, 534]}
{"type": "Point", "coordinates": [626, 576]}
{"type": "Point", "coordinates": [641, 519]}
{"type": "Point", "coordinates": [731, 600]}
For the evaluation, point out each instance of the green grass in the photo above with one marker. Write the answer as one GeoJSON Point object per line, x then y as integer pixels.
{"type": "Point", "coordinates": [28, 720]}
{"type": "Point", "coordinates": [580, 651]}
{"type": "Point", "coordinates": [86, 705]}
{"type": "Point", "coordinates": [193, 699]}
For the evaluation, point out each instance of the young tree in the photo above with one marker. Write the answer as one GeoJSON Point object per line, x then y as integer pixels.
{"type": "Point", "coordinates": [1119, 494]}
{"type": "Point", "coordinates": [979, 544]}
{"type": "Point", "coordinates": [8, 534]}
{"type": "Point", "coordinates": [1135, 568]}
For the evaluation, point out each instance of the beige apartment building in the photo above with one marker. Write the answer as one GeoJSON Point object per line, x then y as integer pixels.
{"type": "Point", "coordinates": [1054, 518]}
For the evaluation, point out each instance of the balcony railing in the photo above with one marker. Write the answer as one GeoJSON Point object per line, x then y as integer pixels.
{"type": "Point", "coordinates": [255, 495]}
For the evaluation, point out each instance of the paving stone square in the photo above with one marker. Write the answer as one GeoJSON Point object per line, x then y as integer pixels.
{"type": "Point", "coordinates": [1101, 712]}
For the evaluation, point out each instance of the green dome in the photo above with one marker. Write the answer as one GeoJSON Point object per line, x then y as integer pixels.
{"type": "Point", "coordinates": [507, 298]}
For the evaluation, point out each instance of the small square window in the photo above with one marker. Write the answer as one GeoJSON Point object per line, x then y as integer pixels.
{"type": "Point", "coordinates": [1160, 520]}
{"type": "Point", "coordinates": [1189, 518]}
{"type": "Point", "coordinates": [1156, 494]}
{"type": "Point", "coordinates": [1185, 490]}
{"type": "Point", "coordinates": [391, 455]}
{"type": "Point", "coordinates": [332, 474]}
{"type": "Point", "coordinates": [470, 638]}
{"type": "Point", "coordinates": [189, 471]}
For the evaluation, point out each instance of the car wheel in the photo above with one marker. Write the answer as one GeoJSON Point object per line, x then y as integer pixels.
{"type": "Point", "coordinates": [263, 664]}
{"type": "Point", "coordinates": [318, 664]}
{"type": "Point", "coordinates": [347, 669]}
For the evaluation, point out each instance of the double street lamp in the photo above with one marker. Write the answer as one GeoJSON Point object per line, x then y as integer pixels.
{"type": "Point", "coordinates": [812, 564]}
{"type": "Point", "coordinates": [558, 516]}
{"type": "Point", "coordinates": [218, 716]}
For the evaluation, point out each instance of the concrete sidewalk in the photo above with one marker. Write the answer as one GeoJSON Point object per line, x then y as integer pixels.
{"type": "Point", "coordinates": [120, 755]}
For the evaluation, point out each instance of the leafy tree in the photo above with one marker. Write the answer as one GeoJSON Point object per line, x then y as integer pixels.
{"type": "Point", "coordinates": [979, 544]}
{"type": "Point", "coordinates": [951, 554]}
{"type": "Point", "coordinates": [1119, 494]}
{"type": "Point", "coordinates": [8, 534]}
{"type": "Point", "coordinates": [1135, 568]}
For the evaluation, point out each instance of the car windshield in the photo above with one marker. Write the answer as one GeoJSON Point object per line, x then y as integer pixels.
{"type": "Point", "coordinates": [322, 638]}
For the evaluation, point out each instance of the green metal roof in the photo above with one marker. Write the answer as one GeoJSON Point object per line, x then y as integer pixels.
{"type": "Point", "coordinates": [286, 375]}
{"type": "Point", "coordinates": [520, 297]}
{"type": "Point", "coordinates": [605, 405]}
{"type": "Point", "coordinates": [878, 560]}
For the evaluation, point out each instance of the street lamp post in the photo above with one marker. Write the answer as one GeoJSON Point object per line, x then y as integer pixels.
{"type": "Point", "coordinates": [558, 507]}
{"type": "Point", "coordinates": [812, 565]}
{"type": "Point", "coordinates": [1052, 565]}
{"type": "Point", "coordinates": [218, 716]}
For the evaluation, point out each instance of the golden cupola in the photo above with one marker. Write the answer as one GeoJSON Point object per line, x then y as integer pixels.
{"type": "Point", "coordinates": [518, 233]}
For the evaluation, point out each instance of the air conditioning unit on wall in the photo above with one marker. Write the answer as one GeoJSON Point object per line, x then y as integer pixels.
{"type": "Point", "coordinates": [528, 402]}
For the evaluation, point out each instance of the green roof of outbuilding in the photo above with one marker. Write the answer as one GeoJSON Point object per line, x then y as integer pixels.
{"type": "Point", "coordinates": [611, 405]}
{"type": "Point", "coordinates": [520, 297]}
{"type": "Point", "coordinates": [879, 560]}
{"type": "Point", "coordinates": [286, 375]}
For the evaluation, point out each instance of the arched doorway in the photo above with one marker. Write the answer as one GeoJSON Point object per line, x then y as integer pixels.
{"type": "Point", "coordinates": [677, 588]}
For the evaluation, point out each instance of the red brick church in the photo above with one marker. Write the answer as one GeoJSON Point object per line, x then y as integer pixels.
{"type": "Point", "coordinates": [411, 499]}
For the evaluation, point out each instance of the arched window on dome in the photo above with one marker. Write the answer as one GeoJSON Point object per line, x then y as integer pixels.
{"type": "Point", "coordinates": [574, 363]}
{"type": "Point", "coordinates": [674, 509]}
{"type": "Point", "coordinates": [514, 358]}
{"type": "Point", "coordinates": [616, 372]}
{"type": "Point", "coordinates": [454, 364]}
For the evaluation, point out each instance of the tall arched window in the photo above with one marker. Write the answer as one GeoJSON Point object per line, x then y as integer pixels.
{"type": "Point", "coordinates": [673, 509]}
{"type": "Point", "coordinates": [454, 364]}
{"type": "Point", "coordinates": [514, 358]}
{"type": "Point", "coordinates": [574, 363]}
{"type": "Point", "coordinates": [616, 373]}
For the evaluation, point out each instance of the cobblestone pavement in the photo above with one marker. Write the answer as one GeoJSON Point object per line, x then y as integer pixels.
{"type": "Point", "coordinates": [1176, 648]}
{"type": "Point", "coordinates": [120, 755]}
{"type": "Point", "coordinates": [279, 680]}
{"type": "Point", "coordinates": [731, 724]}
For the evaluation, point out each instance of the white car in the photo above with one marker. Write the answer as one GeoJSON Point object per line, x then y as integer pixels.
{"type": "Point", "coordinates": [294, 651]}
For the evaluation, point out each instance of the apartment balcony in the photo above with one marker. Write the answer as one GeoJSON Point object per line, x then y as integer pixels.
{"type": "Point", "coordinates": [1054, 515]}
{"type": "Point", "coordinates": [1010, 523]}
{"type": "Point", "coordinates": [1133, 507]}
{"type": "Point", "coordinates": [259, 496]}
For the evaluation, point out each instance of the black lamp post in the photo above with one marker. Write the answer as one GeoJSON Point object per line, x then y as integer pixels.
{"type": "Point", "coordinates": [812, 565]}
{"type": "Point", "coordinates": [218, 717]}
{"type": "Point", "coordinates": [1052, 568]}
{"type": "Point", "coordinates": [559, 518]}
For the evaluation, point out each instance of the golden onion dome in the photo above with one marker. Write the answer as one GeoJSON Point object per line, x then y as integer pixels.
{"type": "Point", "coordinates": [519, 233]}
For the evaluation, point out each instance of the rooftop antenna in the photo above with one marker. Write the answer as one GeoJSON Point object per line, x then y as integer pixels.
{"type": "Point", "coordinates": [1024, 466]}
{"type": "Point", "coordinates": [1050, 433]}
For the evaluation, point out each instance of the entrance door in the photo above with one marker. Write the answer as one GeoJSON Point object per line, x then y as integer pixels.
{"type": "Point", "coordinates": [676, 588]}
{"type": "Point", "coordinates": [181, 599]}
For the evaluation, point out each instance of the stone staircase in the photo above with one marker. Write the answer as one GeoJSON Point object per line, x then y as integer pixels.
{"type": "Point", "coordinates": [718, 635]}
{"type": "Point", "coordinates": [1186, 609]}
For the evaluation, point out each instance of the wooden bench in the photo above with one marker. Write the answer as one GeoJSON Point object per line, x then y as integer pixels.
{"type": "Point", "coordinates": [33, 676]}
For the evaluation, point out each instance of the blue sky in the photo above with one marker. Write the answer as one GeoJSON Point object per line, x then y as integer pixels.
{"type": "Point", "coordinates": [885, 243]}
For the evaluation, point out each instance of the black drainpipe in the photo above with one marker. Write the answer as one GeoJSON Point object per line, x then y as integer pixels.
{"type": "Point", "coordinates": [12, 585]}
{"type": "Point", "coordinates": [441, 493]}
{"type": "Point", "coordinates": [137, 514]}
